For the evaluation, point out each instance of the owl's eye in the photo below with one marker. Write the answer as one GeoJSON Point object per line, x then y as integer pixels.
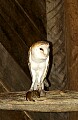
{"type": "Point", "coordinates": [41, 49]}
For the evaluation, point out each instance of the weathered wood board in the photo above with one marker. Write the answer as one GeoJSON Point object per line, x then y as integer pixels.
{"type": "Point", "coordinates": [18, 29]}
{"type": "Point", "coordinates": [54, 101]}
{"type": "Point", "coordinates": [71, 31]}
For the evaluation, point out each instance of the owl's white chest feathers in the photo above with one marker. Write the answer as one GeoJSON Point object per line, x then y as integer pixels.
{"type": "Point", "coordinates": [38, 64]}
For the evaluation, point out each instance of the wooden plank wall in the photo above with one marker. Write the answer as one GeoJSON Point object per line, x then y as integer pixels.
{"type": "Point", "coordinates": [18, 30]}
{"type": "Point", "coordinates": [55, 34]}
{"type": "Point", "coordinates": [12, 78]}
{"type": "Point", "coordinates": [71, 23]}
{"type": "Point", "coordinates": [24, 22]}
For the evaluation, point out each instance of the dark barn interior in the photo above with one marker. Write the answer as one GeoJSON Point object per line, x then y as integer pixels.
{"type": "Point", "coordinates": [23, 23]}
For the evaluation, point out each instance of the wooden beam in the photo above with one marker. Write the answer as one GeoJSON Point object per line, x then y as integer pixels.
{"type": "Point", "coordinates": [18, 31]}
{"type": "Point", "coordinates": [54, 101]}
{"type": "Point", "coordinates": [71, 26]}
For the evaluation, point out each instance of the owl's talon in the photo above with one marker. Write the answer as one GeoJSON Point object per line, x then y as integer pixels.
{"type": "Point", "coordinates": [42, 93]}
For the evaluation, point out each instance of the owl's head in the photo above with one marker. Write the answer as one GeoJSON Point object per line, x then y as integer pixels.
{"type": "Point", "coordinates": [40, 50]}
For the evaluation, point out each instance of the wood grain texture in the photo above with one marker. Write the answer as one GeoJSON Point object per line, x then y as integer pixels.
{"type": "Point", "coordinates": [71, 15]}
{"type": "Point", "coordinates": [12, 115]}
{"type": "Point", "coordinates": [55, 34]}
{"type": "Point", "coordinates": [55, 101]}
{"type": "Point", "coordinates": [36, 11]}
{"type": "Point", "coordinates": [18, 30]}
{"type": "Point", "coordinates": [12, 77]}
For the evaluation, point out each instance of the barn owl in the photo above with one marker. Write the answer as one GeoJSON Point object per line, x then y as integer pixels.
{"type": "Point", "coordinates": [38, 64]}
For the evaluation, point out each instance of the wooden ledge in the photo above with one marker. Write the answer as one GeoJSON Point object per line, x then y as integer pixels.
{"type": "Point", "coordinates": [55, 101]}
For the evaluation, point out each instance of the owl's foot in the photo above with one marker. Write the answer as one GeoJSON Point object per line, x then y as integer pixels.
{"type": "Point", "coordinates": [30, 95]}
{"type": "Point", "coordinates": [42, 93]}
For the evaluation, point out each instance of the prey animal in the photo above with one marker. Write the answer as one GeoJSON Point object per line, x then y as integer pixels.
{"type": "Point", "coordinates": [38, 64]}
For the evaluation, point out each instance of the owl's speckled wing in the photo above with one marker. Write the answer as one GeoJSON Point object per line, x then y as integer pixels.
{"type": "Point", "coordinates": [29, 60]}
{"type": "Point", "coordinates": [46, 68]}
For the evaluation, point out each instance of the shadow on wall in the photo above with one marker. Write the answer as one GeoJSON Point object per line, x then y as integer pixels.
{"type": "Point", "coordinates": [50, 65]}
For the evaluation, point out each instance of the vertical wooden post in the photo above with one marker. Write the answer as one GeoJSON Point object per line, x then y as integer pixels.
{"type": "Point", "coordinates": [71, 13]}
